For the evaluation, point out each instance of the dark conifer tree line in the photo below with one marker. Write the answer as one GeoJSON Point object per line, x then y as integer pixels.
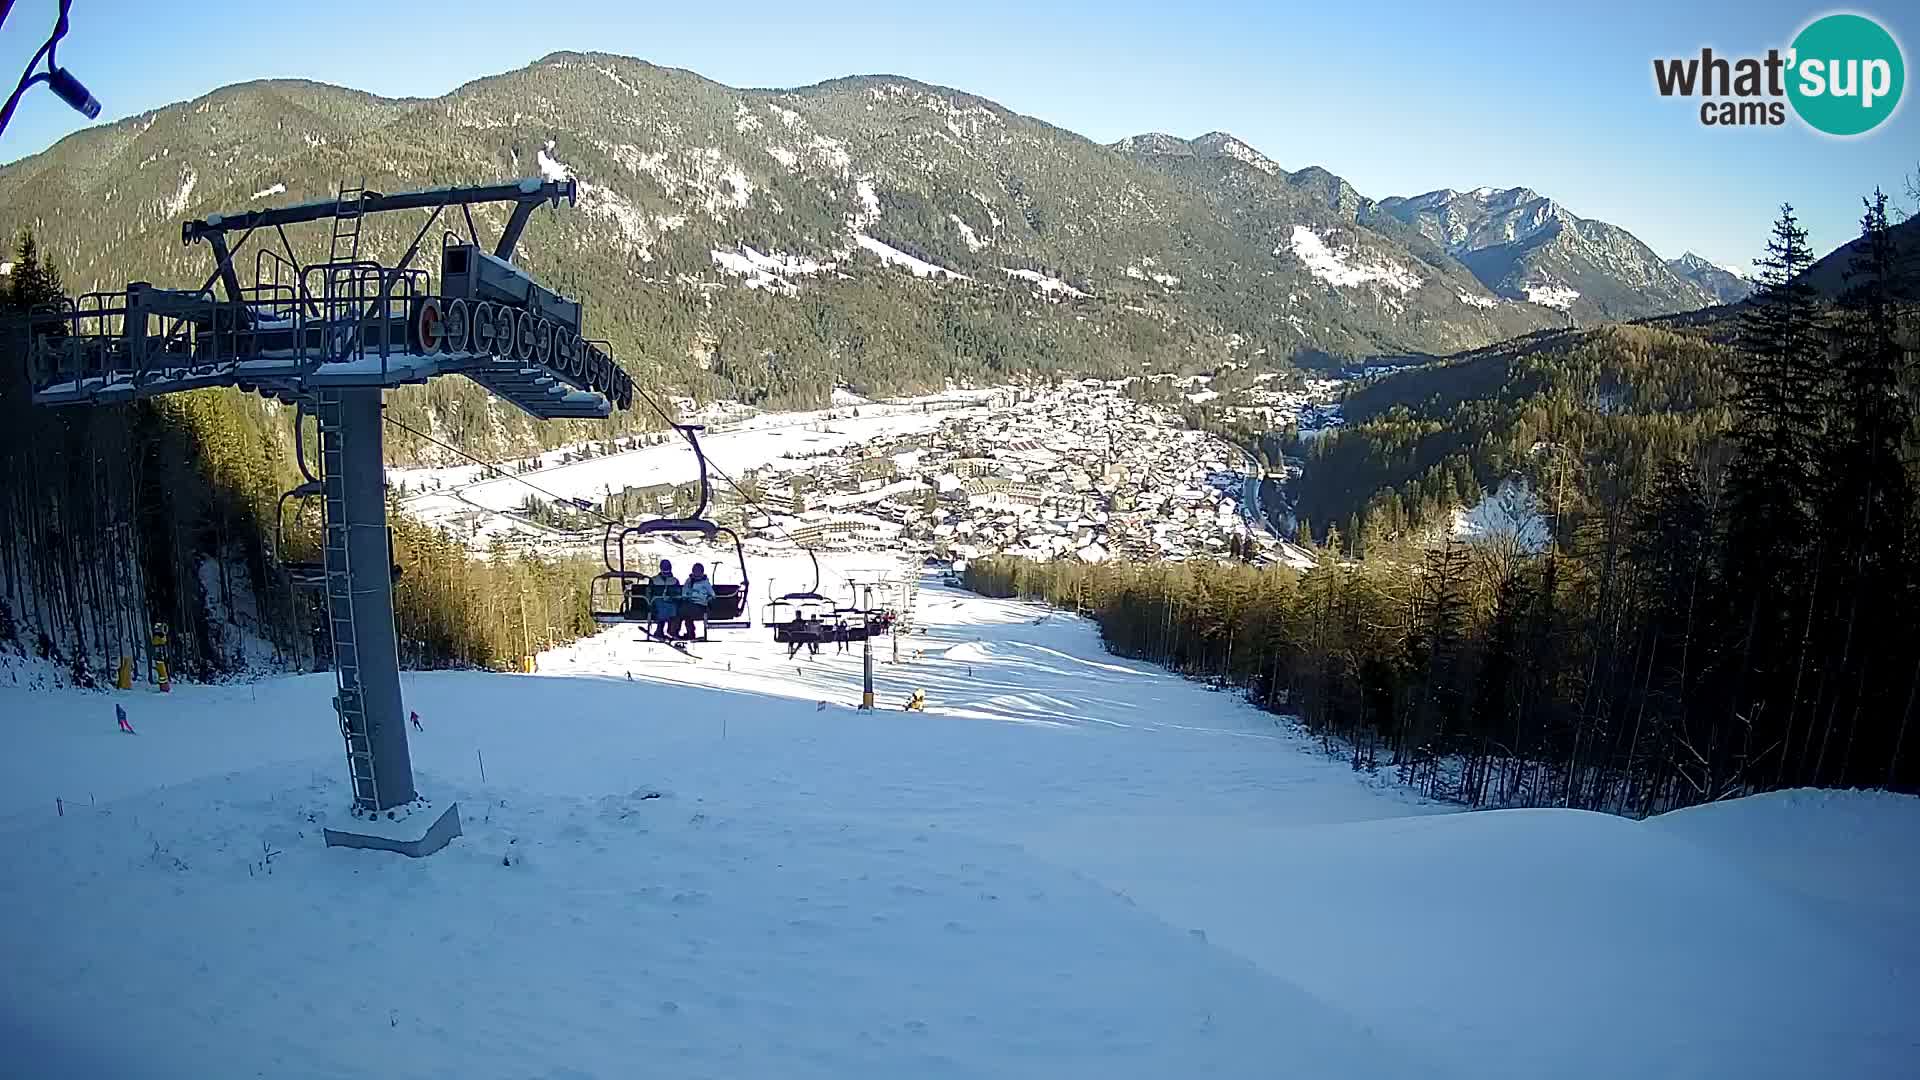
{"type": "Point", "coordinates": [1725, 603]}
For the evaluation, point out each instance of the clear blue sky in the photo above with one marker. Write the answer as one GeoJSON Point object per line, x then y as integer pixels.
{"type": "Point", "coordinates": [1399, 99]}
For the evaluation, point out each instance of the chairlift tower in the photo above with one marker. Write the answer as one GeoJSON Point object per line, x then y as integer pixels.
{"type": "Point", "coordinates": [330, 338]}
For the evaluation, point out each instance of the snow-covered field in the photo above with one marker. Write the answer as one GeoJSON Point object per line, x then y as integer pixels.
{"type": "Point", "coordinates": [443, 495]}
{"type": "Point", "coordinates": [1070, 865]}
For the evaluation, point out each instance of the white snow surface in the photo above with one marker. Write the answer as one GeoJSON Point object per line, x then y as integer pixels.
{"type": "Point", "coordinates": [766, 270]}
{"type": "Point", "coordinates": [1551, 295]}
{"type": "Point", "coordinates": [1136, 272]}
{"type": "Point", "coordinates": [1044, 283]}
{"type": "Point", "coordinates": [275, 189]}
{"type": "Point", "coordinates": [967, 235]}
{"type": "Point", "coordinates": [1478, 301]}
{"type": "Point", "coordinates": [1069, 866]}
{"type": "Point", "coordinates": [768, 439]}
{"type": "Point", "coordinates": [550, 167]}
{"type": "Point", "coordinates": [893, 255]}
{"type": "Point", "coordinates": [1510, 514]}
{"type": "Point", "coordinates": [1342, 268]}
{"type": "Point", "coordinates": [176, 203]}
{"type": "Point", "coordinates": [869, 211]}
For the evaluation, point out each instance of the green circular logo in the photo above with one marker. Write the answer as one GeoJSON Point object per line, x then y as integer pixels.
{"type": "Point", "coordinates": [1847, 74]}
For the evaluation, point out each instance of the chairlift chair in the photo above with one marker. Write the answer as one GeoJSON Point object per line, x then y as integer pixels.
{"type": "Point", "coordinates": [623, 595]}
{"type": "Point", "coordinates": [800, 617]}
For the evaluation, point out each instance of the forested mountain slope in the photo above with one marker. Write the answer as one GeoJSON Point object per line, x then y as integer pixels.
{"type": "Point", "coordinates": [767, 244]}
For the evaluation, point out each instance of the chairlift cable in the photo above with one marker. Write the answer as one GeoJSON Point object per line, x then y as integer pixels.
{"type": "Point", "coordinates": [731, 482]}
{"type": "Point", "coordinates": [604, 520]}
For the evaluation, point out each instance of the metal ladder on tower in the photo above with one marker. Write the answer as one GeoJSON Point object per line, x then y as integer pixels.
{"type": "Point", "coordinates": [349, 700]}
{"type": "Point", "coordinates": [342, 285]}
{"type": "Point", "coordinates": [346, 224]}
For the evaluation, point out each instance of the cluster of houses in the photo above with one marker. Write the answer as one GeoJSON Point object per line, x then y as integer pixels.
{"type": "Point", "coordinates": [1077, 470]}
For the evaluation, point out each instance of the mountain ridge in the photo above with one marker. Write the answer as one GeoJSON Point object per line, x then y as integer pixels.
{"type": "Point", "coordinates": [712, 220]}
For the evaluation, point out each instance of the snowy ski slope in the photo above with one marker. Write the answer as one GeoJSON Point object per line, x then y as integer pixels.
{"type": "Point", "coordinates": [1070, 866]}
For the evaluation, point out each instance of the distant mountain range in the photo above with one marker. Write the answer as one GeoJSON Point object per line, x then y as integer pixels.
{"type": "Point", "coordinates": [1523, 245]}
{"type": "Point", "coordinates": [1725, 283]}
{"type": "Point", "coordinates": [741, 235]}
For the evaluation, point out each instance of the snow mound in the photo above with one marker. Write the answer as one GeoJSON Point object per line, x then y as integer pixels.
{"type": "Point", "coordinates": [1478, 301]}
{"type": "Point", "coordinates": [1829, 848]}
{"type": "Point", "coordinates": [1576, 944]}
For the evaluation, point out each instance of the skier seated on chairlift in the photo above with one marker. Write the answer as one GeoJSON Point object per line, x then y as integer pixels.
{"type": "Point", "coordinates": [666, 601]}
{"type": "Point", "coordinates": [695, 598]}
{"type": "Point", "coordinates": [803, 630]}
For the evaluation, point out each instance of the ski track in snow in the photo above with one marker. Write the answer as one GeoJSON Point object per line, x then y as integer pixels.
{"type": "Point", "coordinates": [1071, 865]}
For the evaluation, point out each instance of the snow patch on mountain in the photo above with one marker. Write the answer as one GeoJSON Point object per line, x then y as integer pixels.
{"type": "Point", "coordinates": [1222, 143]}
{"type": "Point", "coordinates": [746, 259]}
{"type": "Point", "coordinates": [737, 188]}
{"type": "Point", "coordinates": [972, 239]}
{"type": "Point", "coordinates": [787, 117]}
{"type": "Point", "coordinates": [1551, 295]}
{"type": "Point", "coordinates": [833, 152]}
{"type": "Point", "coordinates": [608, 205]}
{"type": "Point", "coordinates": [743, 119]}
{"type": "Point", "coordinates": [276, 189]}
{"type": "Point", "coordinates": [1140, 272]}
{"type": "Point", "coordinates": [787, 158]}
{"type": "Point", "coordinates": [1340, 267]}
{"type": "Point", "coordinates": [869, 211]}
{"type": "Point", "coordinates": [177, 202]}
{"type": "Point", "coordinates": [1478, 301]}
{"type": "Point", "coordinates": [615, 76]}
{"type": "Point", "coordinates": [756, 278]}
{"type": "Point", "coordinates": [1510, 514]}
{"type": "Point", "coordinates": [993, 219]}
{"type": "Point", "coordinates": [1044, 283]}
{"type": "Point", "coordinates": [635, 160]}
{"type": "Point", "coordinates": [551, 168]}
{"type": "Point", "coordinates": [894, 256]}
{"type": "Point", "coordinates": [719, 183]}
